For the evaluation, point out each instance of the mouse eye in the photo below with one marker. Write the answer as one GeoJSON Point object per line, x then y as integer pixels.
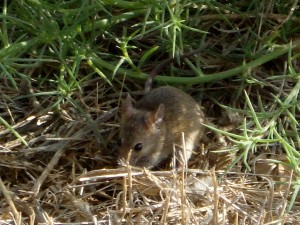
{"type": "Point", "coordinates": [119, 142]}
{"type": "Point", "coordinates": [138, 147]}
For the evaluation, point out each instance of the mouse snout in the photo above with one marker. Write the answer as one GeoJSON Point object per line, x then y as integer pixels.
{"type": "Point", "coordinates": [127, 156]}
{"type": "Point", "coordinates": [143, 161]}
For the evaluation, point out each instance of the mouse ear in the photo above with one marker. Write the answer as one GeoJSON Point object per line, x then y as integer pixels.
{"type": "Point", "coordinates": [127, 108]}
{"type": "Point", "coordinates": [156, 117]}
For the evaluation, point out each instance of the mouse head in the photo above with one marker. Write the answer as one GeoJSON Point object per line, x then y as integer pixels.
{"type": "Point", "coordinates": [142, 134]}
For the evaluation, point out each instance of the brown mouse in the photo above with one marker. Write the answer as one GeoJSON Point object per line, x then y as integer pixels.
{"type": "Point", "coordinates": [151, 127]}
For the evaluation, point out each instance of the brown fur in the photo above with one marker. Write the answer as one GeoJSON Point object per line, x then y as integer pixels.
{"type": "Point", "coordinates": [157, 122]}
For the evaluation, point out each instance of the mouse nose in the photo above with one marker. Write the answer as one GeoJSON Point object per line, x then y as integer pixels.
{"type": "Point", "coordinates": [126, 154]}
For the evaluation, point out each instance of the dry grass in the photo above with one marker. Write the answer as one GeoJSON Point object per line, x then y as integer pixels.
{"type": "Point", "coordinates": [67, 176]}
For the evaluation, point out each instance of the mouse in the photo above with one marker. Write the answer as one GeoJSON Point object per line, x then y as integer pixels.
{"type": "Point", "coordinates": [152, 127]}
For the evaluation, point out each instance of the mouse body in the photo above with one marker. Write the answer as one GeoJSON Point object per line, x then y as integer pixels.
{"type": "Point", "coordinates": [154, 125]}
